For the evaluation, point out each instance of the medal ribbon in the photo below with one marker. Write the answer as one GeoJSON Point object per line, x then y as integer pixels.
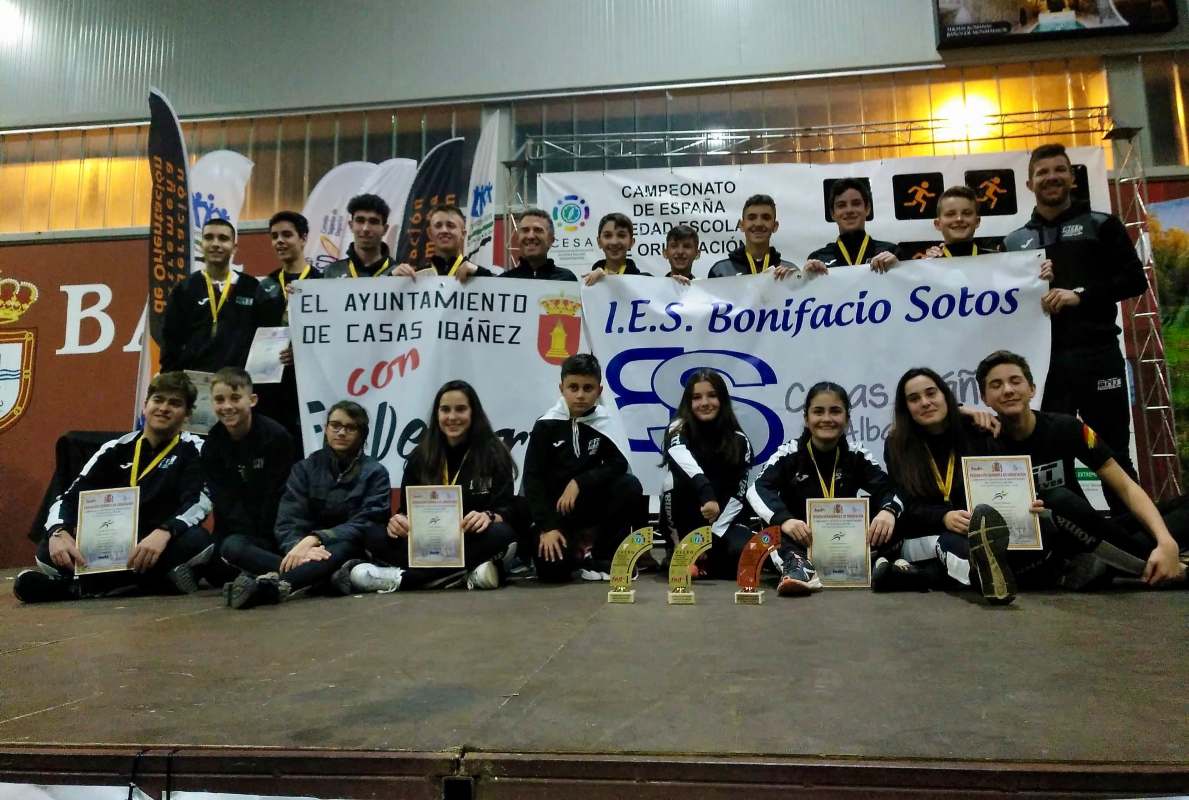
{"type": "Point", "coordinates": [827, 493]}
{"type": "Point", "coordinates": [454, 268]}
{"type": "Point", "coordinates": [136, 477]}
{"type": "Point", "coordinates": [946, 251]}
{"type": "Point", "coordinates": [216, 307]}
{"type": "Point", "coordinates": [446, 471]}
{"type": "Point", "coordinates": [354, 274]}
{"type": "Point", "coordinates": [946, 486]}
{"type": "Point", "coordinates": [281, 277]}
{"type": "Point", "coordinates": [751, 262]}
{"type": "Point", "coordinates": [862, 250]}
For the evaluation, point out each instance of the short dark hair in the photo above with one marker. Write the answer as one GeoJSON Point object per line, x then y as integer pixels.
{"type": "Point", "coordinates": [619, 220]}
{"type": "Point", "coordinates": [176, 382]}
{"type": "Point", "coordinates": [846, 184]}
{"type": "Point", "coordinates": [535, 212]}
{"type": "Point", "coordinates": [1050, 150]}
{"type": "Point", "coordinates": [299, 222]}
{"type": "Point", "coordinates": [368, 202]}
{"type": "Point", "coordinates": [582, 364]}
{"type": "Point", "coordinates": [356, 412]}
{"type": "Point", "coordinates": [448, 208]}
{"type": "Point", "coordinates": [996, 359]}
{"type": "Point", "coordinates": [682, 233]}
{"type": "Point", "coordinates": [960, 190]}
{"type": "Point", "coordinates": [758, 200]}
{"type": "Point", "coordinates": [226, 223]}
{"type": "Point", "coordinates": [233, 377]}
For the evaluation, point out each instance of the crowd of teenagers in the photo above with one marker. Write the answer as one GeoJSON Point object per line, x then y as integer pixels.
{"type": "Point", "coordinates": [325, 524]}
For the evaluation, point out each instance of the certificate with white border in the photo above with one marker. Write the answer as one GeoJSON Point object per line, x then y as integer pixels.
{"type": "Point", "coordinates": [106, 529]}
{"type": "Point", "coordinates": [435, 526]}
{"type": "Point", "coordinates": [1005, 484]}
{"type": "Point", "coordinates": [840, 551]}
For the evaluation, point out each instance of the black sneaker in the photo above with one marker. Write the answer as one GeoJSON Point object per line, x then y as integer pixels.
{"type": "Point", "coordinates": [989, 537]}
{"type": "Point", "coordinates": [341, 579]}
{"type": "Point", "coordinates": [184, 579]}
{"type": "Point", "coordinates": [898, 576]}
{"type": "Point", "coordinates": [798, 577]}
{"type": "Point", "coordinates": [1085, 572]}
{"type": "Point", "coordinates": [34, 586]}
{"type": "Point", "coordinates": [247, 591]}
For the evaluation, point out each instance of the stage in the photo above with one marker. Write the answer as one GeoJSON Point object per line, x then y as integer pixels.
{"type": "Point", "coordinates": [535, 690]}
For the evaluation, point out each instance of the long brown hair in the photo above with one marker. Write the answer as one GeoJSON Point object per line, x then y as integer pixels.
{"type": "Point", "coordinates": [718, 436]}
{"type": "Point", "coordinates": [488, 455]}
{"type": "Point", "coordinates": [908, 454]}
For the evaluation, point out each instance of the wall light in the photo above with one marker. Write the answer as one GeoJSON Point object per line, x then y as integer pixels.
{"type": "Point", "coordinates": [12, 23]}
{"type": "Point", "coordinates": [959, 120]}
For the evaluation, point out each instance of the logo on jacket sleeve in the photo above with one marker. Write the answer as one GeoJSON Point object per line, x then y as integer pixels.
{"type": "Point", "coordinates": [559, 328]}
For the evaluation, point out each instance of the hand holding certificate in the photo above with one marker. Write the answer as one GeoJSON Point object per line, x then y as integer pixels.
{"type": "Point", "coordinates": [106, 533]}
{"type": "Point", "coordinates": [840, 551]}
{"type": "Point", "coordinates": [1005, 484]}
{"type": "Point", "coordinates": [435, 526]}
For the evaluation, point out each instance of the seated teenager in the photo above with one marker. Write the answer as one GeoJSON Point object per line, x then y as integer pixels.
{"type": "Point", "coordinates": [616, 237]}
{"type": "Point", "coordinates": [534, 234]}
{"type": "Point", "coordinates": [164, 462]}
{"type": "Point", "coordinates": [580, 492]}
{"type": "Point", "coordinates": [923, 453]}
{"type": "Point", "coordinates": [247, 458]}
{"type": "Point", "coordinates": [681, 250]}
{"type": "Point", "coordinates": [820, 463]}
{"type": "Point", "coordinates": [850, 203]}
{"type": "Point", "coordinates": [1091, 548]}
{"type": "Point", "coordinates": [448, 232]}
{"type": "Point", "coordinates": [708, 457]}
{"type": "Point", "coordinates": [758, 223]}
{"type": "Point", "coordinates": [459, 448]}
{"type": "Point", "coordinates": [333, 501]}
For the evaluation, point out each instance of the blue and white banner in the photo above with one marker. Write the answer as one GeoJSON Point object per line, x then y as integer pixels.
{"type": "Point", "coordinates": [389, 343]}
{"type": "Point", "coordinates": [218, 185]}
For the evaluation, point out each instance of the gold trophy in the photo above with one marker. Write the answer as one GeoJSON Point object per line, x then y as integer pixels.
{"type": "Point", "coordinates": [758, 548]}
{"type": "Point", "coordinates": [695, 543]}
{"type": "Point", "coordinates": [623, 563]}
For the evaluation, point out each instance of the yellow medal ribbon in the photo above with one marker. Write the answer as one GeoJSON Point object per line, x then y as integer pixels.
{"type": "Point", "coordinates": [301, 277]}
{"type": "Point", "coordinates": [216, 307]}
{"type": "Point", "coordinates": [862, 250]}
{"type": "Point", "coordinates": [751, 262]}
{"type": "Point", "coordinates": [446, 479]}
{"type": "Point", "coordinates": [137, 476]}
{"type": "Point", "coordinates": [946, 486]}
{"type": "Point", "coordinates": [827, 493]}
{"type": "Point", "coordinates": [354, 274]}
{"type": "Point", "coordinates": [621, 269]}
{"type": "Point", "coordinates": [946, 252]}
{"type": "Point", "coordinates": [454, 268]}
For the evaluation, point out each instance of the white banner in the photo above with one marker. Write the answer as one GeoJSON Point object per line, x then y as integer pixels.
{"type": "Point", "coordinates": [326, 210]}
{"type": "Point", "coordinates": [904, 196]}
{"type": "Point", "coordinates": [218, 183]}
{"type": "Point", "coordinates": [485, 169]}
{"type": "Point", "coordinates": [389, 343]}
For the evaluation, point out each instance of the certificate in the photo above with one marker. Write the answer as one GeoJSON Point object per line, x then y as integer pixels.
{"type": "Point", "coordinates": [1005, 484]}
{"type": "Point", "coordinates": [202, 418]}
{"type": "Point", "coordinates": [840, 551]}
{"type": "Point", "coordinates": [106, 530]}
{"type": "Point", "coordinates": [264, 357]}
{"type": "Point", "coordinates": [435, 526]}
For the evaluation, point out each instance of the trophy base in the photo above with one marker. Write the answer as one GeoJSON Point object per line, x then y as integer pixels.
{"type": "Point", "coordinates": [621, 596]}
{"type": "Point", "coordinates": [681, 598]}
{"type": "Point", "coordinates": [749, 598]}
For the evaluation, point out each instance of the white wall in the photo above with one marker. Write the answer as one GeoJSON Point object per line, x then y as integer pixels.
{"type": "Point", "coordinates": [80, 61]}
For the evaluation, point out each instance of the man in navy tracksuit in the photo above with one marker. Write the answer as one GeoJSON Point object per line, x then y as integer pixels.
{"type": "Point", "coordinates": [1094, 267]}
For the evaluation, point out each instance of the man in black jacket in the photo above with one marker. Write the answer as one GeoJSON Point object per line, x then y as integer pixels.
{"type": "Point", "coordinates": [850, 203]}
{"type": "Point", "coordinates": [576, 479]}
{"type": "Point", "coordinates": [1094, 267]}
{"type": "Point", "coordinates": [535, 234]}
{"type": "Point", "coordinates": [447, 234]}
{"type": "Point", "coordinates": [758, 222]}
{"type": "Point", "coordinates": [247, 458]}
{"type": "Point", "coordinates": [164, 463]}
{"type": "Point", "coordinates": [212, 315]}
{"type": "Point", "coordinates": [367, 255]}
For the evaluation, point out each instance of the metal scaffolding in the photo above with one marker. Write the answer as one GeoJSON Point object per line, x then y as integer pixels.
{"type": "Point", "coordinates": [1158, 463]}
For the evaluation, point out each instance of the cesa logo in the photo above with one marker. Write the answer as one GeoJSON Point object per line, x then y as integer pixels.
{"type": "Point", "coordinates": [656, 376]}
{"type": "Point", "coordinates": [570, 213]}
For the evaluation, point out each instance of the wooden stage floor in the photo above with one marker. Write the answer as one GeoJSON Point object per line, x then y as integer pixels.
{"type": "Point", "coordinates": [551, 675]}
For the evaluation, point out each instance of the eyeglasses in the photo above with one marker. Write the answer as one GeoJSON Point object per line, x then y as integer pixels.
{"type": "Point", "coordinates": [342, 427]}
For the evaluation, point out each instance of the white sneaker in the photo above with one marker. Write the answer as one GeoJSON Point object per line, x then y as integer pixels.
{"type": "Point", "coordinates": [484, 576]}
{"type": "Point", "coordinates": [371, 578]}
